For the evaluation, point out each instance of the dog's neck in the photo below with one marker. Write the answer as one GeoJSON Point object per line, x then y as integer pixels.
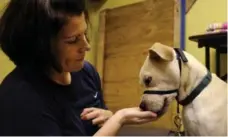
{"type": "Point", "coordinates": [191, 75]}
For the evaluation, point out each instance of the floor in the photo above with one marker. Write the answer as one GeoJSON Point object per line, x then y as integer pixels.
{"type": "Point", "coordinates": [136, 131]}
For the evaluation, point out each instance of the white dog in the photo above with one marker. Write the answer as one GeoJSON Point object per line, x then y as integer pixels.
{"type": "Point", "coordinates": [167, 75]}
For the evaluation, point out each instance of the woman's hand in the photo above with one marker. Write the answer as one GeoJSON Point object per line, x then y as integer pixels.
{"type": "Point", "coordinates": [125, 116]}
{"type": "Point", "coordinates": [97, 115]}
{"type": "Point", "coordinates": [135, 116]}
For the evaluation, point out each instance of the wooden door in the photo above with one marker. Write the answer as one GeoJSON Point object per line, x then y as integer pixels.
{"type": "Point", "coordinates": [125, 34]}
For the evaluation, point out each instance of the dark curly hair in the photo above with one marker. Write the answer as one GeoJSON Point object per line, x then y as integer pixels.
{"type": "Point", "coordinates": [27, 28]}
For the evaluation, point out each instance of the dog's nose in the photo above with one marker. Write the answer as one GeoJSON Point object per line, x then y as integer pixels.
{"type": "Point", "coordinates": [147, 80]}
{"type": "Point", "coordinates": [143, 106]}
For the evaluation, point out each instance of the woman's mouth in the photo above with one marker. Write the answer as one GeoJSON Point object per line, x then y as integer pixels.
{"type": "Point", "coordinates": [80, 59]}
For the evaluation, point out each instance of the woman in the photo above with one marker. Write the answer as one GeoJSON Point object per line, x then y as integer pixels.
{"type": "Point", "coordinates": [52, 90]}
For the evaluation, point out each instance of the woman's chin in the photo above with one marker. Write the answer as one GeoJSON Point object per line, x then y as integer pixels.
{"type": "Point", "coordinates": [77, 67]}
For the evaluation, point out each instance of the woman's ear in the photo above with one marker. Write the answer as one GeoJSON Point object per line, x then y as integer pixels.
{"type": "Point", "coordinates": [160, 51]}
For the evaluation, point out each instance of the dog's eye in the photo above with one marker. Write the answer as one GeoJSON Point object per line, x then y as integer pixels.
{"type": "Point", "coordinates": [147, 80]}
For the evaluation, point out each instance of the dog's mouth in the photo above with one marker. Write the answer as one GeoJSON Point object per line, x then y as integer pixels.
{"type": "Point", "coordinates": [160, 112]}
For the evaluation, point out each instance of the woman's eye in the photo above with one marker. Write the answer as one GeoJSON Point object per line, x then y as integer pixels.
{"type": "Point", "coordinates": [76, 39]}
{"type": "Point", "coordinates": [73, 40]}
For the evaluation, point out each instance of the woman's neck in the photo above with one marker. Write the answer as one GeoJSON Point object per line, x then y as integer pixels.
{"type": "Point", "coordinates": [62, 78]}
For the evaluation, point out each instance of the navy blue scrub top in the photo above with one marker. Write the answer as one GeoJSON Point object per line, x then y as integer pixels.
{"type": "Point", "coordinates": [31, 104]}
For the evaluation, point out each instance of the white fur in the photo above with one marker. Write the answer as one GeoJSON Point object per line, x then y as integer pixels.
{"type": "Point", "coordinates": [207, 114]}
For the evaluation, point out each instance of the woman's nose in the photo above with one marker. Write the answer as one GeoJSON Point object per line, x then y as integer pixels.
{"type": "Point", "coordinates": [86, 46]}
{"type": "Point", "coordinates": [86, 42]}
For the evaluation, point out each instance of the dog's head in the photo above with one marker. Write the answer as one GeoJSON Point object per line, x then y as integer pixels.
{"type": "Point", "coordinates": [159, 72]}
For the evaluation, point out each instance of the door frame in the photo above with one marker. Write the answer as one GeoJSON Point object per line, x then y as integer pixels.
{"type": "Point", "coordinates": [99, 60]}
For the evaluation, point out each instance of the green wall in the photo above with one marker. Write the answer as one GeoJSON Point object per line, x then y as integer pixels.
{"type": "Point", "coordinates": [5, 64]}
{"type": "Point", "coordinates": [199, 17]}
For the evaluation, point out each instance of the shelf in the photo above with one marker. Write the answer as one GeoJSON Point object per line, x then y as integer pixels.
{"type": "Point", "coordinates": [213, 40]}
{"type": "Point", "coordinates": [217, 41]}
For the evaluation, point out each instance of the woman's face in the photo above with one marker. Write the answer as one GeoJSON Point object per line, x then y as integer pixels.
{"type": "Point", "coordinates": [72, 44]}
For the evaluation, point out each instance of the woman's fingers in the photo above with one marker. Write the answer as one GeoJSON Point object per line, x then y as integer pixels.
{"type": "Point", "coordinates": [99, 120]}
{"type": "Point", "coordinates": [145, 120]}
{"type": "Point", "coordinates": [136, 115]}
{"type": "Point", "coordinates": [101, 125]}
{"type": "Point", "coordinates": [137, 112]}
{"type": "Point", "coordinates": [87, 110]}
{"type": "Point", "coordinates": [146, 114]}
{"type": "Point", "coordinates": [90, 115]}
{"type": "Point", "coordinates": [97, 115]}
{"type": "Point", "coordinates": [137, 120]}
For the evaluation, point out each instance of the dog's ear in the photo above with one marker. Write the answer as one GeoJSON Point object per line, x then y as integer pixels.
{"type": "Point", "coordinates": [160, 51]}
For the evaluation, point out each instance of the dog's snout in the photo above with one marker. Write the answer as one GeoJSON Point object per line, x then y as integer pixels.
{"type": "Point", "coordinates": [143, 106]}
{"type": "Point", "coordinates": [147, 80]}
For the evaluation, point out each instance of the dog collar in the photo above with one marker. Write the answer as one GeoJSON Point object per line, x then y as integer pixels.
{"type": "Point", "coordinates": [160, 92]}
{"type": "Point", "coordinates": [205, 81]}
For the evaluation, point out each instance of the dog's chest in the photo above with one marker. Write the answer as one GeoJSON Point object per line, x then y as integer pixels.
{"type": "Point", "coordinates": [198, 122]}
{"type": "Point", "coordinates": [191, 124]}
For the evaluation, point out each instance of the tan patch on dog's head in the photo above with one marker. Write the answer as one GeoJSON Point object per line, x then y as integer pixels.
{"type": "Point", "coordinates": [160, 51]}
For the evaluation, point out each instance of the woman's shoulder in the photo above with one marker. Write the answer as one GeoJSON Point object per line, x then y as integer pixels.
{"type": "Point", "coordinates": [15, 90]}
{"type": "Point", "coordinates": [25, 111]}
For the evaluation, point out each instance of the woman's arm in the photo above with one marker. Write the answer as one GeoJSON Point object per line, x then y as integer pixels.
{"type": "Point", "coordinates": [125, 116]}
{"type": "Point", "coordinates": [111, 127]}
